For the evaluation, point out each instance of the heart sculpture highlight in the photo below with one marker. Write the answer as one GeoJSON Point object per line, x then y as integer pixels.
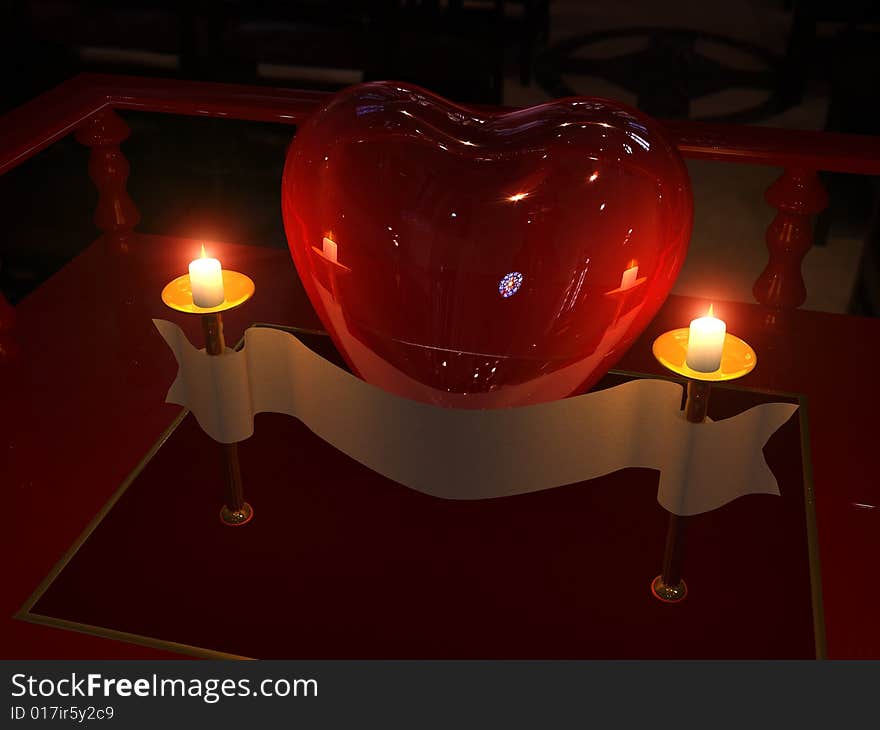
{"type": "Point", "coordinates": [474, 259]}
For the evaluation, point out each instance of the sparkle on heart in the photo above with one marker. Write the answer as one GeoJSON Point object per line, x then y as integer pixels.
{"type": "Point", "coordinates": [479, 260]}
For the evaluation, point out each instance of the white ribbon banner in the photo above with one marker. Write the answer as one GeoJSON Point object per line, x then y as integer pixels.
{"type": "Point", "coordinates": [478, 454]}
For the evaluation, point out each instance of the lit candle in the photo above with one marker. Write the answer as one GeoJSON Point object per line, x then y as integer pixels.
{"type": "Point", "coordinates": [329, 249]}
{"type": "Point", "coordinates": [629, 276]}
{"type": "Point", "coordinates": [705, 343]}
{"type": "Point", "coordinates": [206, 281]}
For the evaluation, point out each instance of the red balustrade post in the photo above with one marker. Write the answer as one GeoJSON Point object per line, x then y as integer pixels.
{"type": "Point", "coordinates": [798, 196]}
{"type": "Point", "coordinates": [116, 214]}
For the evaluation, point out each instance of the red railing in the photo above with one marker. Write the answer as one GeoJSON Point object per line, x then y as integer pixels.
{"type": "Point", "coordinates": [86, 105]}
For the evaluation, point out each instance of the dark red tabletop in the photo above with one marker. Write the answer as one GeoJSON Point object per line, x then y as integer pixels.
{"type": "Point", "coordinates": [84, 402]}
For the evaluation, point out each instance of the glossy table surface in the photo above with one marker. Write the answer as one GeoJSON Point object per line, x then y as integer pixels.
{"type": "Point", "coordinates": [84, 402]}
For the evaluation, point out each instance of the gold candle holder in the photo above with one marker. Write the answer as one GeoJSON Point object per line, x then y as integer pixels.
{"type": "Point", "coordinates": [670, 350]}
{"type": "Point", "coordinates": [237, 289]}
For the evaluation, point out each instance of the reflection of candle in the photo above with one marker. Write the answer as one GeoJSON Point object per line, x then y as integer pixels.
{"type": "Point", "coordinates": [706, 343]}
{"type": "Point", "coordinates": [629, 276]}
{"type": "Point", "coordinates": [206, 281]}
{"type": "Point", "coordinates": [329, 249]}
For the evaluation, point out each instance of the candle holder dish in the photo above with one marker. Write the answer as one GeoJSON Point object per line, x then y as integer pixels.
{"type": "Point", "coordinates": [237, 288]}
{"type": "Point", "coordinates": [737, 359]}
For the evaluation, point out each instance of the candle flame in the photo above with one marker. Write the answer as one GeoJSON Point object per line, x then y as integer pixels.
{"type": "Point", "coordinates": [633, 263]}
{"type": "Point", "coordinates": [517, 197]}
{"type": "Point", "coordinates": [711, 311]}
{"type": "Point", "coordinates": [204, 255]}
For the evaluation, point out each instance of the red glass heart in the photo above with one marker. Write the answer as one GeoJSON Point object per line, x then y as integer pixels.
{"type": "Point", "coordinates": [474, 259]}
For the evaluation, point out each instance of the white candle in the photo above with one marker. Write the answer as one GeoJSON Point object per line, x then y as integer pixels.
{"type": "Point", "coordinates": [705, 343]}
{"type": "Point", "coordinates": [329, 249]}
{"type": "Point", "coordinates": [206, 281]}
{"type": "Point", "coordinates": [629, 277]}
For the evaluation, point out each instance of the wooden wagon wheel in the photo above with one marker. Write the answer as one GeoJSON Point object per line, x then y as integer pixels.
{"type": "Point", "coordinates": [667, 69]}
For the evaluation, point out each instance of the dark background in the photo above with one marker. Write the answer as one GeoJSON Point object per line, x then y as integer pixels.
{"type": "Point", "coordinates": [210, 178]}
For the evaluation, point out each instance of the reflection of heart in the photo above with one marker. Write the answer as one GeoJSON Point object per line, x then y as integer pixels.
{"type": "Point", "coordinates": [472, 259]}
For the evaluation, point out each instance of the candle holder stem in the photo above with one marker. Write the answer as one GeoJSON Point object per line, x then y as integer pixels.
{"type": "Point", "coordinates": [697, 404]}
{"type": "Point", "coordinates": [212, 328]}
{"type": "Point", "coordinates": [235, 510]}
{"type": "Point", "coordinates": [669, 586]}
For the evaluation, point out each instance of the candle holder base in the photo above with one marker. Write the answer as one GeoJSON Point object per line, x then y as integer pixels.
{"type": "Point", "coordinates": [668, 594]}
{"type": "Point", "coordinates": [236, 517]}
